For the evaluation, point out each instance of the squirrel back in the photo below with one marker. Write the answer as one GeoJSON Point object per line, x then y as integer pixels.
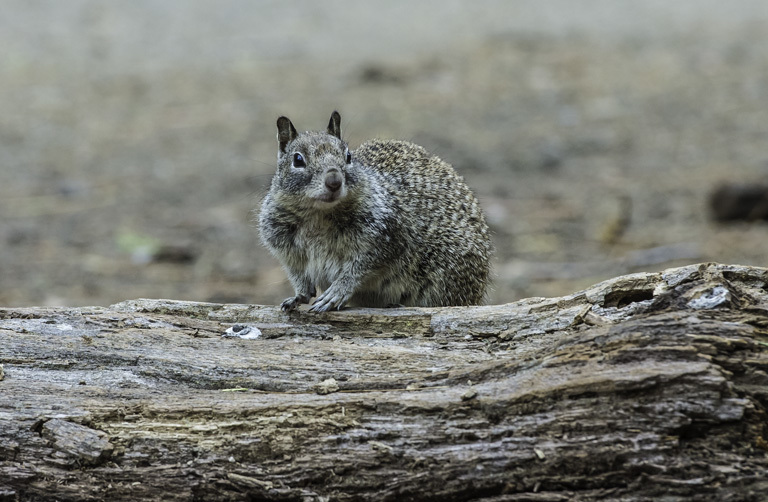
{"type": "Point", "coordinates": [385, 224]}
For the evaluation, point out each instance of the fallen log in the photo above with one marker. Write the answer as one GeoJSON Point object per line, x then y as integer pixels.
{"type": "Point", "coordinates": [644, 386]}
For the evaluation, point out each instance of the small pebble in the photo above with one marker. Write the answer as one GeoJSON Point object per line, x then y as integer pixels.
{"type": "Point", "coordinates": [470, 394]}
{"type": "Point", "coordinates": [242, 331]}
{"type": "Point", "coordinates": [327, 386]}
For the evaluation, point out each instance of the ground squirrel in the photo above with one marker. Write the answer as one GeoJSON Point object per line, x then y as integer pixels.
{"type": "Point", "coordinates": [386, 224]}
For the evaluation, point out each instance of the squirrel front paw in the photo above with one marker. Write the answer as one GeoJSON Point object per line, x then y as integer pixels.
{"type": "Point", "coordinates": [293, 302]}
{"type": "Point", "coordinates": [335, 296]}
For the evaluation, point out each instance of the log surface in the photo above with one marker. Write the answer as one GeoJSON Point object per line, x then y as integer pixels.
{"type": "Point", "coordinates": [644, 386]}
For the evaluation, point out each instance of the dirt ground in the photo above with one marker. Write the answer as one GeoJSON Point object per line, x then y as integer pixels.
{"type": "Point", "coordinates": [136, 138]}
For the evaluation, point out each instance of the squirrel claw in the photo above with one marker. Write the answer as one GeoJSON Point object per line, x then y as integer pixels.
{"type": "Point", "coordinates": [321, 307]}
{"type": "Point", "coordinates": [327, 302]}
{"type": "Point", "coordinates": [293, 302]}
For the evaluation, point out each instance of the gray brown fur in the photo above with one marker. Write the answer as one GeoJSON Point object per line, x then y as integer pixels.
{"type": "Point", "coordinates": [393, 226]}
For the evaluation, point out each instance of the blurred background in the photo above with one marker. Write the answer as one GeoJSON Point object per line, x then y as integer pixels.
{"type": "Point", "coordinates": [136, 138]}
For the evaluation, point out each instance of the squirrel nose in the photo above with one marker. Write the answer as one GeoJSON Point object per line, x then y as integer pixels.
{"type": "Point", "coordinates": [333, 180]}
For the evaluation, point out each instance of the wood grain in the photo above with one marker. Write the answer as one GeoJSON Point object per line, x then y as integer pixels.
{"type": "Point", "coordinates": [643, 386]}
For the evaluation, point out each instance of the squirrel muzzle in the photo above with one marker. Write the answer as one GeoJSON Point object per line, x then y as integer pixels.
{"type": "Point", "coordinates": [333, 186]}
{"type": "Point", "coordinates": [333, 180]}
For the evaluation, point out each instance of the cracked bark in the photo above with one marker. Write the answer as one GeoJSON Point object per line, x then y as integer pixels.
{"type": "Point", "coordinates": [643, 386]}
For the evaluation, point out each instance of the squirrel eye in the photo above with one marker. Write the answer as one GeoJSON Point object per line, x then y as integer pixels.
{"type": "Point", "coordinates": [349, 157]}
{"type": "Point", "coordinates": [298, 160]}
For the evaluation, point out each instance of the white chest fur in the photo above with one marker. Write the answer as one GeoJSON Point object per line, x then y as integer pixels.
{"type": "Point", "coordinates": [325, 258]}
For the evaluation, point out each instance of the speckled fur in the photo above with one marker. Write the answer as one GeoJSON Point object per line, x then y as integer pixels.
{"type": "Point", "coordinates": [406, 231]}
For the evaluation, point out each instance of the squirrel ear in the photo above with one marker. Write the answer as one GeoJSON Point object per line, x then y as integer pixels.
{"type": "Point", "coordinates": [285, 132]}
{"type": "Point", "coordinates": [334, 126]}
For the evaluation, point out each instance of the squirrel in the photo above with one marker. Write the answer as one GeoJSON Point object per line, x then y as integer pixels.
{"type": "Point", "coordinates": [387, 224]}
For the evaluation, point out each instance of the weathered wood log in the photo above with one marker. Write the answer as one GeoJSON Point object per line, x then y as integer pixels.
{"type": "Point", "coordinates": [645, 386]}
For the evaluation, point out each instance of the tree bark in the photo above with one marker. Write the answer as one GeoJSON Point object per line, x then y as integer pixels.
{"type": "Point", "coordinates": [645, 386]}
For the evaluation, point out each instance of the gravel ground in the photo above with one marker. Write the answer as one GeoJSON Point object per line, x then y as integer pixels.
{"type": "Point", "coordinates": [137, 137]}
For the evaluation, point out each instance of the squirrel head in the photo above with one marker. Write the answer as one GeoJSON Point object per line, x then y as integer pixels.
{"type": "Point", "coordinates": [314, 169]}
